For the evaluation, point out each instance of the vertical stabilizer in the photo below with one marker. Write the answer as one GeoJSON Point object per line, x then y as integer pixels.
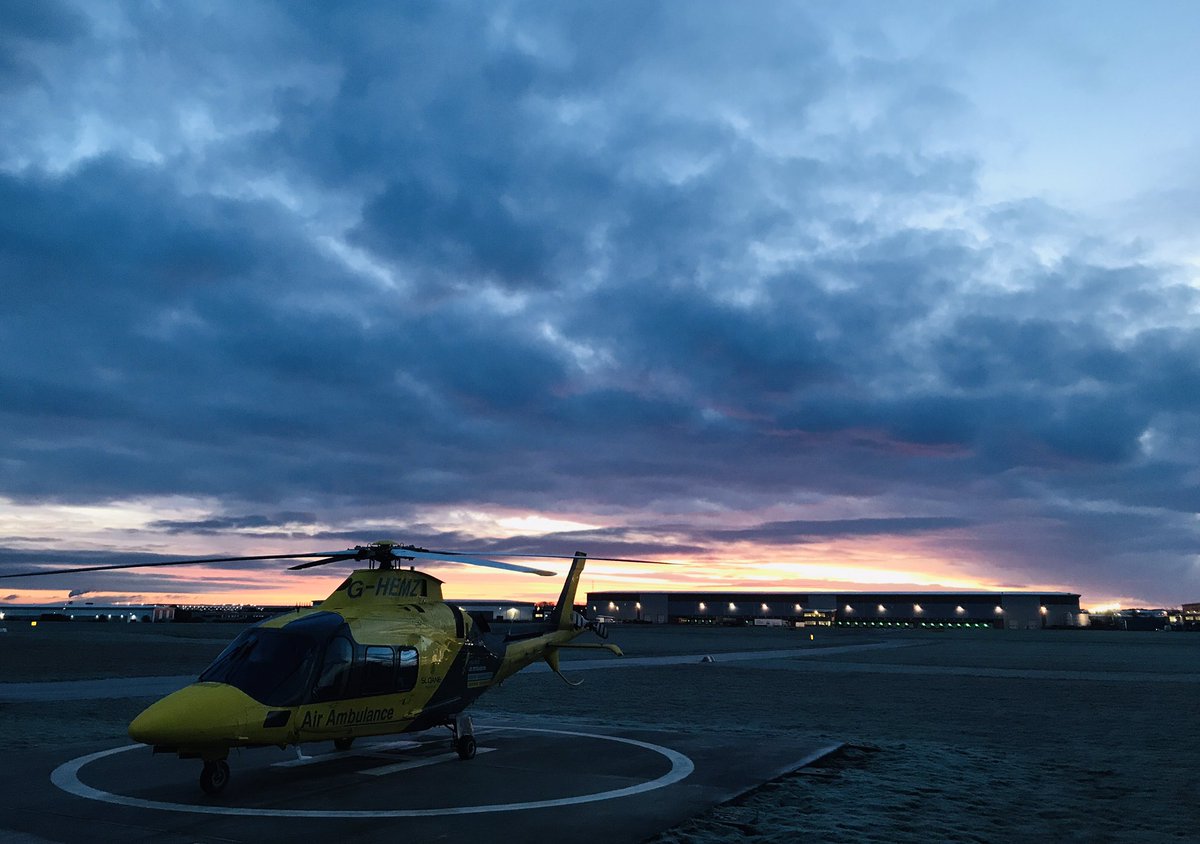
{"type": "Point", "coordinates": [561, 617]}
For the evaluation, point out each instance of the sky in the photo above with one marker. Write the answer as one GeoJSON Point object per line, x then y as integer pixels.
{"type": "Point", "coordinates": [796, 295]}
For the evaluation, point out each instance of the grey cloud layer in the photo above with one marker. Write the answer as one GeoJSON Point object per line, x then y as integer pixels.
{"type": "Point", "coordinates": [623, 260]}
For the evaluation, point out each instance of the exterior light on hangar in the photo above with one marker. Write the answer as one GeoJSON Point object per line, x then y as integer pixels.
{"type": "Point", "coordinates": [764, 607]}
{"type": "Point", "coordinates": [999, 609]}
{"type": "Point", "coordinates": [849, 608]}
{"type": "Point", "coordinates": [959, 610]}
{"type": "Point", "coordinates": [703, 607]}
{"type": "Point", "coordinates": [917, 608]}
{"type": "Point", "coordinates": [882, 608]}
{"type": "Point", "coordinates": [732, 606]}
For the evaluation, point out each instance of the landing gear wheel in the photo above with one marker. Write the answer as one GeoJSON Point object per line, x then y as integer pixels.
{"type": "Point", "coordinates": [343, 743]}
{"type": "Point", "coordinates": [465, 747]}
{"type": "Point", "coordinates": [215, 776]}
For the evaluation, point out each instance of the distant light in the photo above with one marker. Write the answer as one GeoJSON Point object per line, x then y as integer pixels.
{"type": "Point", "coordinates": [611, 605]}
{"type": "Point", "coordinates": [638, 605]}
{"type": "Point", "coordinates": [999, 609]}
{"type": "Point", "coordinates": [702, 606]}
{"type": "Point", "coordinates": [764, 607]}
{"type": "Point", "coordinates": [1043, 609]}
{"type": "Point", "coordinates": [732, 606]}
{"type": "Point", "coordinates": [917, 608]}
{"type": "Point", "coordinates": [33, 624]}
{"type": "Point", "coordinates": [959, 610]}
{"type": "Point", "coordinates": [798, 608]}
{"type": "Point", "coordinates": [849, 608]}
{"type": "Point", "coordinates": [882, 608]}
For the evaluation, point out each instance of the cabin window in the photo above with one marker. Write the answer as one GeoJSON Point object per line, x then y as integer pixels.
{"type": "Point", "coordinates": [334, 680]}
{"type": "Point", "coordinates": [384, 670]}
{"type": "Point", "coordinates": [406, 677]}
{"type": "Point", "coordinates": [378, 671]}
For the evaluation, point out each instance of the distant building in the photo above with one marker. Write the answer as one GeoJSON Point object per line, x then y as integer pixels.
{"type": "Point", "coordinates": [1006, 610]}
{"type": "Point", "coordinates": [1132, 619]}
{"type": "Point", "coordinates": [501, 610]}
{"type": "Point", "coordinates": [512, 611]}
{"type": "Point", "coordinates": [231, 613]}
{"type": "Point", "coordinates": [1188, 617]}
{"type": "Point", "coordinates": [88, 611]}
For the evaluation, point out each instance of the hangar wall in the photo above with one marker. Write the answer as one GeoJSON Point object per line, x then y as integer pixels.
{"type": "Point", "coordinates": [1009, 610]}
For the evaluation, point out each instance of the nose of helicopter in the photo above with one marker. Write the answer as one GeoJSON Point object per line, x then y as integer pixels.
{"type": "Point", "coordinates": [196, 715]}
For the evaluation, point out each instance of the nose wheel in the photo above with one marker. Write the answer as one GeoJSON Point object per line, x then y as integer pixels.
{"type": "Point", "coordinates": [215, 776]}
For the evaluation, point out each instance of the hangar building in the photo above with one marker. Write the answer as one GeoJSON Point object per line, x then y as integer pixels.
{"type": "Point", "coordinates": [1005, 610]}
{"type": "Point", "coordinates": [87, 612]}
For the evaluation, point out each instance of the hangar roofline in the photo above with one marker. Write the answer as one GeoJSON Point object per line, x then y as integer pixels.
{"type": "Point", "coordinates": [832, 592]}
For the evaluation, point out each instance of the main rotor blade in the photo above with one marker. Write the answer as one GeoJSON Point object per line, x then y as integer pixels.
{"type": "Point", "coordinates": [450, 557]}
{"type": "Point", "coordinates": [335, 555]}
{"type": "Point", "coordinates": [570, 556]}
{"type": "Point", "coordinates": [337, 558]}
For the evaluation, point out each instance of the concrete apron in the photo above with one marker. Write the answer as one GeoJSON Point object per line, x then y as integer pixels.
{"type": "Point", "coordinates": [571, 780]}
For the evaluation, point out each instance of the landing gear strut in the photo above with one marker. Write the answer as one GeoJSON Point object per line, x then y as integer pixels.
{"type": "Point", "coordinates": [464, 736]}
{"type": "Point", "coordinates": [215, 776]}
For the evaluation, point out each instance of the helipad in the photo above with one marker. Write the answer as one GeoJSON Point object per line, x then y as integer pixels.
{"type": "Point", "coordinates": [593, 783]}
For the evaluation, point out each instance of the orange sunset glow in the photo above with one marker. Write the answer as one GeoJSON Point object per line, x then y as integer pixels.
{"type": "Point", "coordinates": [876, 562]}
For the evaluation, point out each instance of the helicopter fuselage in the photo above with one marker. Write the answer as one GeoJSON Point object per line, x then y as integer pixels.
{"type": "Point", "coordinates": [383, 654]}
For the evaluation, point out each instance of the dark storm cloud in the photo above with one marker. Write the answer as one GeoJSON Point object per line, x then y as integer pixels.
{"type": "Point", "coordinates": [230, 523]}
{"type": "Point", "coordinates": [805, 530]}
{"type": "Point", "coordinates": [618, 259]}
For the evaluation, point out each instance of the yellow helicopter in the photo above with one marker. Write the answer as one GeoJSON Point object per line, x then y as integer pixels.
{"type": "Point", "coordinates": [383, 654]}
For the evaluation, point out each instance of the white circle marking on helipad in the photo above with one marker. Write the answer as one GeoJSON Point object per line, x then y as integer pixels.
{"type": "Point", "coordinates": [66, 777]}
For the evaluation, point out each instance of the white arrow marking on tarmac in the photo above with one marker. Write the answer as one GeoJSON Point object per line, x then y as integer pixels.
{"type": "Point", "coordinates": [418, 763]}
{"type": "Point", "coordinates": [375, 750]}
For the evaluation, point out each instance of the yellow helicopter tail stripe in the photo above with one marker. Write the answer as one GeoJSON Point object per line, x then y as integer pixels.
{"type": "Point", "coordinates": [561, 617]}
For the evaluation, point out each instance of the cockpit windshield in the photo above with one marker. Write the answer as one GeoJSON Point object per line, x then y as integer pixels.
{"type": "Point", "coordinates": [273, 664]}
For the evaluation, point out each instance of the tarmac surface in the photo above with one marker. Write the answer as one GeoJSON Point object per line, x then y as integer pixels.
{"type": "Point", "coordinates": [970, 735]}
{"type": "Point", "coordinates": [132, 687]}
{"type": "Point", "coordinates": [549, 779]}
